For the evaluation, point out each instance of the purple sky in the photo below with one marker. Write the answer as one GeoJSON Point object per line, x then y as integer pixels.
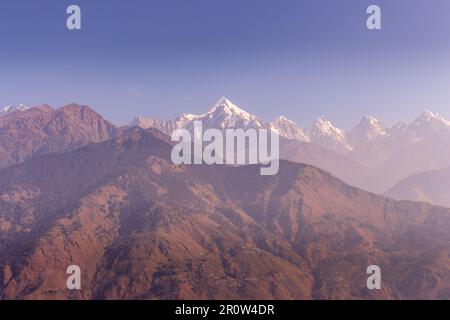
{"type": "Point", "coordinates": [161, 58]}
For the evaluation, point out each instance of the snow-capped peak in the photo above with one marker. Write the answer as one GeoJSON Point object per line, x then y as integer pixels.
{"type": "Point", "coordinates": [188, 116]}
{"type": "Point", "coordinates": [324, 133]}
{"type": "Point", "coordinates": [226, 106]}
{"type": "Point", "coordinates": [224, 101]}
{"type": "Point", "coordinates": [370, 120]}
{"type": "Point", "coordinates": [10, 109]}
{"type": "Point", "coordinates": [429, 122]}
{"type": "Point", "coordinates": [6, 109]}
{"type": "Point", "coordinates": [282, 119]}
{"type": "Point", "coordinates": [226, 114]}
{"type": "Point", "coordinates": [428, 116]}
{"type": "Point", "coordinates": [367, 129]}
{"type": "Point", "coordinates": [323, 126]}
{"type": "Point", "coordinates": [288, 129]}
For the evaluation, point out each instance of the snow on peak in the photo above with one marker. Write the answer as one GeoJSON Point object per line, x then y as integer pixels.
{"type": "Point", "coordinates": [10, 109]}
{"type": "Point", "coordinates": [323, 126]}
{"type": "Point", "coordinates": [324, 133]}
{"type": "Point", "coordinates": [226, 106]}
{"type": "Point", "coordinates": [372, 125]}
{"type": "Point", "coordinates": [7, 108]}
{"type": "Point", "coordinates": [225, 114]}
{"type": "Point", "coordinates": [367, 129]}
{"type": "Point", "coordinates": [188, 116]}
{"type": "Point", "coordinates": [288, 129]}
{"type": "Point", "coordinates": [282, 119]}
{"type": "Point", "coordinates": [429, 116]}
{"type": "Point", "coordinates": [370, 120]}
{"type": "Point", "coordinates": [430, 119]}
{"type": "Point", "coordinates": [224, 101]}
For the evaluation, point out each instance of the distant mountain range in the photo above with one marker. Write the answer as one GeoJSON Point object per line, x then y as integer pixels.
{"type": "Point", "coordinates": [140, 227]}
{"type": "Point", "coordinates": [224, 114]}
{"type": "Point", "coordinates": [431, 186]}
{"type": "Point", "coordinates": [370, 156]}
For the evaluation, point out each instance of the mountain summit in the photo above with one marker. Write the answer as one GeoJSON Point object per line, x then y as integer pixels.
{"type": "Point", "coordinates": [368, 128]}
{"type": "Point", "coordinates": [226, 106]}
{"type": "Point", "coordinates": [325, 134]}
{"type": "Point", "coordinates": [288, 129]}
{"type": "Point", "coordinates": [430, 120]}
{"type": "Point", "coordinates": [225, 115]}
{"type": "Point", "coordinates": [39, 130]}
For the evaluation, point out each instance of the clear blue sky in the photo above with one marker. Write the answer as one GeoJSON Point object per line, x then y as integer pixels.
{"type": "Point", "coordinates": [300, 58]}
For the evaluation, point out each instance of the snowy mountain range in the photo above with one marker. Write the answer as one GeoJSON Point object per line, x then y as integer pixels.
{"type": "Point", "coordinates": [370, 156]}
{"type": "Point", "coordinates": [225, 114]}
{"type": "Point", "coordinates": [10, 109]}
{"type": "Point", "coordinates": [383, 156]}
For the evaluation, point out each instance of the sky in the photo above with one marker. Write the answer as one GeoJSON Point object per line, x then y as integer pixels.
{"type": "Point", "coordinates": [299, 58]}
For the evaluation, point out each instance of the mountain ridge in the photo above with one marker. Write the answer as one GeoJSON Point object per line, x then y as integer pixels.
{"type": "Point", "coordinates": [369, 127]}
{"type": "Point", "coordinates": [379, 153]}
{"type": "Point", "coordinates": [430, 186]}
{"type": "Point", "coordinates": [41, 129]}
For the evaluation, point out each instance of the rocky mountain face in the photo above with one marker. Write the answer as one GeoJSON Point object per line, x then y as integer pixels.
{"type": "Point", "coordinates": [41, 129]}
{"type": "Point", "coordinates": [165, 126]}
{"type": "Point", "coordinates": [140, 227]}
